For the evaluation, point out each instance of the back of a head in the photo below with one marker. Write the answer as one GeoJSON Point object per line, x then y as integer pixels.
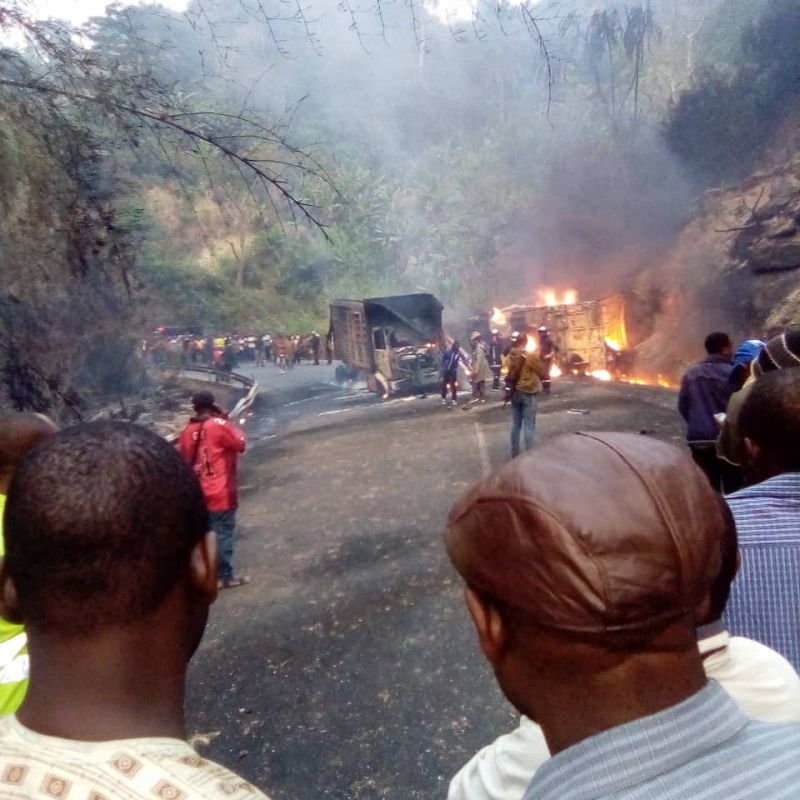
{"type": "Point", "coordinates": [780, 352]}
{"type": "Point", "coordinates": [595, 535]}
{"type": "Point", "coordinates": [770, 417]}
{"type": "Point", "coordinates": [101, 520]}
{"type": "Point", "coordinates": [203, 401]}
{"type": "Point", "coordinates": [717, 342]}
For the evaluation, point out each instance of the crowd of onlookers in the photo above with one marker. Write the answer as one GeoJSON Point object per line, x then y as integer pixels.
{"type": "Point", "coordinates": [230, 351]}
{"type": "Point", "coordinates": [646, 627]}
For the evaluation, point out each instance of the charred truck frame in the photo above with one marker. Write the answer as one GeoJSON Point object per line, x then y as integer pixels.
{"type": "Point", "coordinates": [592, 336]}
{"type": "Point", "coordinates": [394, 341]}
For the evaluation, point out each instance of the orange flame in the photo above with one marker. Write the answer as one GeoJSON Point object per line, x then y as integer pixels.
{"type": "Point", "coordinates": [530, 347]}
{"type": "Point", "coordinates": [555, 371]}
{"type": "Point", "coordinates": [601, 375]}
{"type": "Point", "coordinates": [614, 345]}
{"type": "Point", "coordinates": [549, 297]}
{"type": "Point", "coordinates": [498, 317]}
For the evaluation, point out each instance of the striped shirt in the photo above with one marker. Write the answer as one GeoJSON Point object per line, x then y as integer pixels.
{"type": "Point", "coordinates": [765, 598]}
{"type": "Point", "coordinates": [702, 748]}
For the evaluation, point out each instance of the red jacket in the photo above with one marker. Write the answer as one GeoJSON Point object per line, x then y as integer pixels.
{"type": "Point", "coordinates": [214, 459]}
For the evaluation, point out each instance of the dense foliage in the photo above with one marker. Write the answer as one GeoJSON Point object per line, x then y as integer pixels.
{"type": "Point", "coordinates": [236, 166]}
{"type": "Point", "coordinates": [721, 125]}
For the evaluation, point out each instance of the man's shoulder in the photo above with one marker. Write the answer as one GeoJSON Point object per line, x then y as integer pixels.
{"type": "Point", "coordinates": [160, 768]}
{"type": "Point", "coordinates": [716, 369]}
{"type": "Point", "coordinates": [769, 511]}
{"type": "Point", "coordinates": [761, 681]}
{"type": "Point", "coordinates": [763, 663]}
{"type": "Point", "coordinates": [202, 777]}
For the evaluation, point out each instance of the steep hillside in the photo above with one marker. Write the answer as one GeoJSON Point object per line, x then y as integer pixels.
{"type": "Point", "coordinates": [735, 267]}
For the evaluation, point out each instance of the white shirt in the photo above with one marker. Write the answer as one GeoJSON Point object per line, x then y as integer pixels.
{"type": "Point", "coordinates": [33, 766]}
{"type": "Point", "coordinates": [763, 683]}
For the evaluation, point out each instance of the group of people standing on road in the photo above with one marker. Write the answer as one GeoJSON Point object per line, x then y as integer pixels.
{"type": "Point", "coordinates": [523, 364]}
{"type": "Point", "coordinates": [229, 351]}
{"type": "Point", "coordinates": [600, 577]}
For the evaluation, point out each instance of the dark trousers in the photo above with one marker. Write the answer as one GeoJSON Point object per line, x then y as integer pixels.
{"type": "Point", "coordinates": [223, 523]}
{"type": "Point", "coordinates": [546, 383]}
{"type": "Point", "coordinates": [724, 477]}
{"type": "Point", "coordinates": [523, 419]}
{"type": "Point", "coordinates": [450, 381]}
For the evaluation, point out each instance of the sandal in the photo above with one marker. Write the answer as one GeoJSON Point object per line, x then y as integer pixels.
{"type": "Point", "coordinates": [233, 583]}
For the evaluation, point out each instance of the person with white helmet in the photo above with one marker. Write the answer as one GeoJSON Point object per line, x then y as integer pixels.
{"type": "Point", "coordinates": [495, 358]}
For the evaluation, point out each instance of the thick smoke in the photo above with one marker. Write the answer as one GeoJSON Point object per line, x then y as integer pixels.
{"type": "Point", "coordinates": [568, 112]}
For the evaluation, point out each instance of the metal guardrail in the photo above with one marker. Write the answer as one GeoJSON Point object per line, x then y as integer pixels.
{"type": "Point", "coordinates": [220, 376]}
{"type": "Point", "coordinates": [251, 384]}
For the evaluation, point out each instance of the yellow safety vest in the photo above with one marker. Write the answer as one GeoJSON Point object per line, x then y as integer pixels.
{"type": "Point", "coordinates": [14, 662]}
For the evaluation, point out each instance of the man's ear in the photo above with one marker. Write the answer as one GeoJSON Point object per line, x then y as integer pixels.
{"type": "Point", "coordinates": [702, 614]}
{"type": "Point", "coordinates": [752, 450]}
{"type": "Point", "coordinates": [492, 630]}
{"type": "Point", "coordinates": [9, 605]}
{"type": "Point", "coordinates": [203, 567]}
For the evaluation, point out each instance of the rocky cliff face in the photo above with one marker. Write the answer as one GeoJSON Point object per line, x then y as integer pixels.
{"type": "Point", "coordinates": [735, 267]}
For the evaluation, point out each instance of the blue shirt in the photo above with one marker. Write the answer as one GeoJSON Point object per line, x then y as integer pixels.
{"type": "Point", "coordinates": [702, 748]}
{"type": "Point", "coordinates": [705, 391]}
{"type": "Point", "coordinates": [765, 597]}
{"type": "Point", "coordinates": [450, 360]}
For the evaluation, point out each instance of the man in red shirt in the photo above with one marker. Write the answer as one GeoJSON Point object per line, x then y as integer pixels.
{"type": "Point", "coordinates": [211, 443]}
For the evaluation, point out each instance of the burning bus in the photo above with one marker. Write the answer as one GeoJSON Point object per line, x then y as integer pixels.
{"type": "Point", "coordinates": [593, 337]}
{"type": "Point", "coordinates": [393, 341]}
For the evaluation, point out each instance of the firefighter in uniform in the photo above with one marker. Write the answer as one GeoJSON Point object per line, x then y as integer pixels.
{"type": "Point", "coordinates": [495, 357]}
{"type": "Point", "coordinates": [548, 350]}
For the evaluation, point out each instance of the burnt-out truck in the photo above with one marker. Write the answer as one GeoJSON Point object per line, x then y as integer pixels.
{"type": "Point", "coordinates": [591, 335]}
{"type": "Point", "coordinates": [394, 342]}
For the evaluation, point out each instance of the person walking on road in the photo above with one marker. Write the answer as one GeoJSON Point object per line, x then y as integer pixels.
{"type": "Point", "coordinates": [450, 360]}
{"type": "Point", "coordinates": [259, 344]}
{"type": "Point", "coordinates": [480, 371]}
{"type": "Point", "coordinates": [211, 444]}
{"type": "Point", "coordinates": [315, 346]}
{"type": "Point", "coordinates": [525, 374]}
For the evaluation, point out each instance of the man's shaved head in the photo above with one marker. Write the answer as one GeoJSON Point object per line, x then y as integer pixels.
{"type": "Point", "coordinates": [770, 419]}
{"type": "Point", "coordinates": [101, 521]}
{"type": "Point", "coordinates": [19, 433]}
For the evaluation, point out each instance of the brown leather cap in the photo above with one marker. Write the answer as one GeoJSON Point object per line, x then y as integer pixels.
{"type": "Point", "coordinates": [592, 533]}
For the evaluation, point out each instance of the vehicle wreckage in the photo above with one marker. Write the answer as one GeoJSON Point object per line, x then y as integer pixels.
{"type": "Point", "coordinates": [393, 342]}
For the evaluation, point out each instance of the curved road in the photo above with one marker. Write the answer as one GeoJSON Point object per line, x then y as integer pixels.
{"type": "Point", "coordinates": [348, 668]}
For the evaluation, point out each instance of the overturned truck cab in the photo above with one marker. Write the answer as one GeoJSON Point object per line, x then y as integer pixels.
{"type": "Point", "coordinates": [394, 342]}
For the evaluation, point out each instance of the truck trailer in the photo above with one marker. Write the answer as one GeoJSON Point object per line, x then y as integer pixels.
{"type": "Point", "coordinates": [591, 335]}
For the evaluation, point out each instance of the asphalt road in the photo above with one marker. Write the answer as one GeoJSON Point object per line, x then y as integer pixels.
{"type": "Point", "coordinates": [348, 668]}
